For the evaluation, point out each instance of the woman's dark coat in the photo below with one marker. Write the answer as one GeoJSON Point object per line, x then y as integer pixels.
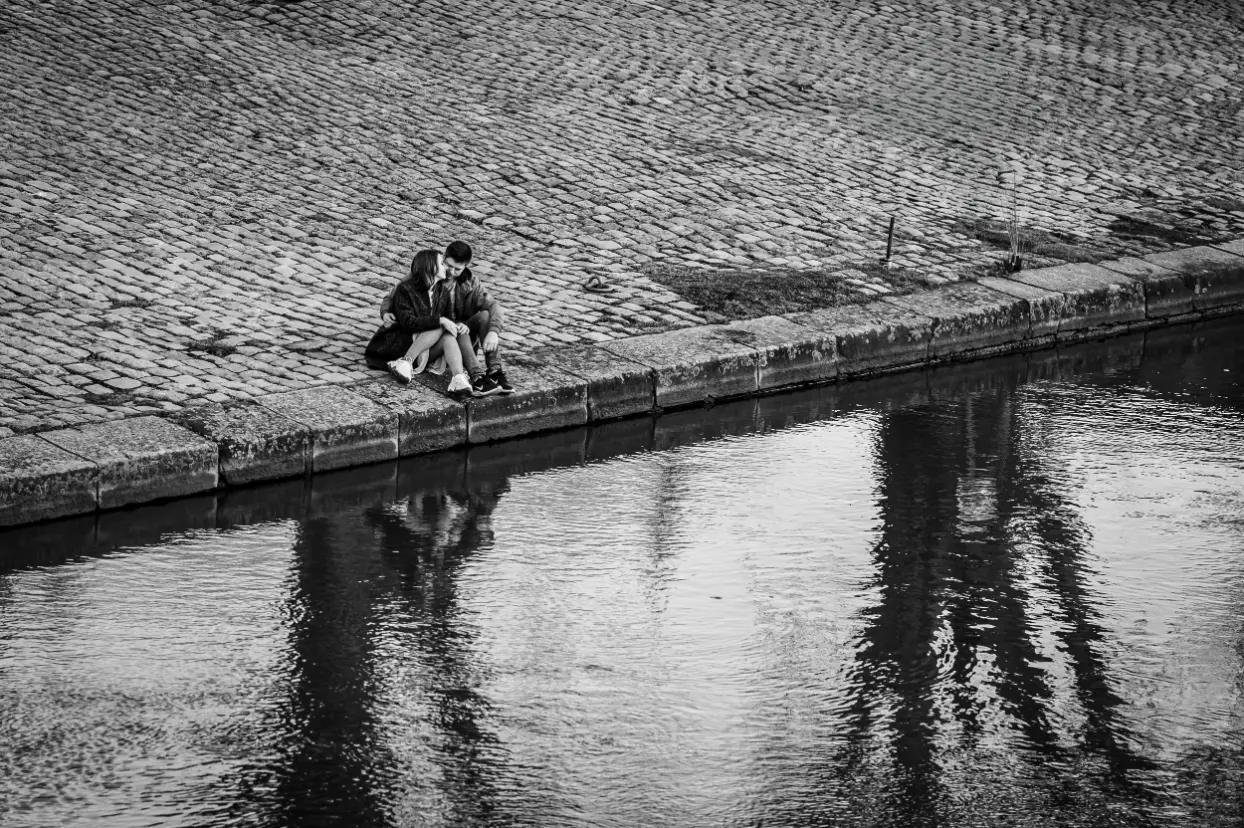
{"type": "Point", "coordinates": [415, 312]}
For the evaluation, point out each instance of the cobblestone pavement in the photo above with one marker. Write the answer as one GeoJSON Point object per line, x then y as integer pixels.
{"type": "Point", "coordinates": [203, 200]}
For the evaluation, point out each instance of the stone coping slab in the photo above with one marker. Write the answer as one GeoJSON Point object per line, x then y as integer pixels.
{"type": "Point", "coordinates": [1218, 272]}
{"type": "Point", "coordinates": [1096, 297]}
{"type": "Point", "coordinates": [1169, 294]}
{"type": "Point", "coordinates": [255, 442]}
{"type": "Point", "coordinates": [872, 338]}
{"type": "Point", "coordinates": [427, 421]}
{"type": "Point", "coordinates": [347, 429]}
{"type": "Point", "coordinates": [732, 359]}
{"type": "Point", "coordinates": [787, 353]}
{"type": "Point", "coordinates": [616, 386]}
{"type": "Point", "coordinates": [143, 458]}
{"type": "Point", "coordinates": [39, 480]}
{"type": "Point", "coordinates": [1045, 306]}
{"type": "Point", "coordinates": [691, 365]}
{"type": "Point", "coordinates": [150, 458]}
{"type": "Point", "coordinates": [544, 398]}
{"type": "Point", "coordinates": [969, 318]}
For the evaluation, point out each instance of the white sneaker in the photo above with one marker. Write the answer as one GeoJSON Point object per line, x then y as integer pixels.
{"type": "Point", "coordinates": [460, 382]}
{"type": "Point", "coordinates": [400, 368]}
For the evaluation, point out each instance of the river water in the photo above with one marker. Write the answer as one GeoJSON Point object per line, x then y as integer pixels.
{"type": "Point", "coordinates": [1004, 593]}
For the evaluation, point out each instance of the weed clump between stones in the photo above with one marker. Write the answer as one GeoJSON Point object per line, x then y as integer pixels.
{"type": "Point", "coordinates": [219, 345]}
{"type": "Point", "coordinates": [1025, 243]}
{"type": "Point", "coordinates": [135, 302]}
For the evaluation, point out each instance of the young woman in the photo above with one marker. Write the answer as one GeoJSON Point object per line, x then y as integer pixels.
{"type": "Point", "coordinates": [420, 307]}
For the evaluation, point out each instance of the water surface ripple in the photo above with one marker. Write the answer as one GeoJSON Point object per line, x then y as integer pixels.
{"type": "Point", "coordinates": [1006, 593]}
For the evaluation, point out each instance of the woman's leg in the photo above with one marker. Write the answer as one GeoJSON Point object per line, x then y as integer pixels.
{"type": "Point", "coordinates": [422, 342]}
{"type": "Point", "coordinates": [403, 367]}
{"type": "Point", "coordinates": [453, 355]}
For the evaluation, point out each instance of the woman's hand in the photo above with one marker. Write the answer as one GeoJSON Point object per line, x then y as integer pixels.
{"type": "Point", "coordinates": [463, 330]}
{"type": "Point", "coordinates": [448, 326]}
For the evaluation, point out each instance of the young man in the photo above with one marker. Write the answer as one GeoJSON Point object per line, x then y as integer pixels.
{"type": "Point", "coordinates": [481, 313]}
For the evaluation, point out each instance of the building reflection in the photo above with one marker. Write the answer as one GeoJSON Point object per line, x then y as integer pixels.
{"type": "Point", "coordinates": [982, 582]}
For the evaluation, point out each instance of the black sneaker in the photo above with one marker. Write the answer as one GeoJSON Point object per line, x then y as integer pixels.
{"type": "Point", "coordinates": [484, 386]}
{"type": "Point", "coordinates": [503, 385]}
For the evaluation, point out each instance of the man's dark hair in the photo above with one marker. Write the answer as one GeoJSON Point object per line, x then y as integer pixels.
{"type": "Point", "coordinates": [459, 251]}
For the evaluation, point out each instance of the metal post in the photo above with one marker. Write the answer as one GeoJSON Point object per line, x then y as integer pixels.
{"type": "Point", "coordinates": [889, 243]}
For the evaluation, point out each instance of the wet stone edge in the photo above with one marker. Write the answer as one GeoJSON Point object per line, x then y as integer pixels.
{"type": "Point", "coordinates": [66, 472]}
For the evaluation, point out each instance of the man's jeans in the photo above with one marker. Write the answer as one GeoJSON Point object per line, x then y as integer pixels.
{"type": "Point", "coordinates": [479, 325]}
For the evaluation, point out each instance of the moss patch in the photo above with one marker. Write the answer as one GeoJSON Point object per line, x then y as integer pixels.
{"type": "Point", "coordinates": [132, 302]}
{"type": "Point", "coordinates": [736, 293]}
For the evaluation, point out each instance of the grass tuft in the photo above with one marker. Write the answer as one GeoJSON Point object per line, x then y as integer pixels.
{"type": "Point", "coordinates": [213, 346]}
{"type": "Point", "coordinates": [136, 302]}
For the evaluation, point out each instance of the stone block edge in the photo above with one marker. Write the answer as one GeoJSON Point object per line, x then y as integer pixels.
{"type": "Point", "coordinates": [1022, 342]}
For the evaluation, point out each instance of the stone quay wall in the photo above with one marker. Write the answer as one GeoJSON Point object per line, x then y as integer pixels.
{"type": "Point", "coordinates": [107, 465]}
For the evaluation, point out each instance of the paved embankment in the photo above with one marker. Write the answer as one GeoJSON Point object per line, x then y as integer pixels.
{"type": "Point", "coordinates": [107, 465]}
{"type": "Point", "coordinates": [203, 200]}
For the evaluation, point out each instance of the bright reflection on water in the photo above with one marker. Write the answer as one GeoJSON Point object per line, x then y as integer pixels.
{"type": "Point", "coordinates": [996, 594]}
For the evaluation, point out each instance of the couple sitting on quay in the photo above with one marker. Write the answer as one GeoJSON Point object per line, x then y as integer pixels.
{"type": "Point", "coordinates": [438, 317]}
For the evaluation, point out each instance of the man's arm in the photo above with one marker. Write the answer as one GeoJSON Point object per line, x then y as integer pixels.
{"type": "Point", "coordinates": [485, 301]}
{"type": "Point", "coordinates": [386, 307]}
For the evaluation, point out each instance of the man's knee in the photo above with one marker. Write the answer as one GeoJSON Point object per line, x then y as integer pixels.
{"type": "Point", "coordinates": [480, 324]}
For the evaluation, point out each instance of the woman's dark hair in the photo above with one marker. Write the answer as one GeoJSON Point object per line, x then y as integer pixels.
{"type": "Point", "coordinates": [423, 268]}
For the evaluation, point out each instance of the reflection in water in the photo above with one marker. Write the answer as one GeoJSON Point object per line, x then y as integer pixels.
{"type": "Point", "coordinates": [978, 639]}
{"type": "Point", "coordinates": [426, 544]}
{"type": "Point", "coordinates": [334, 752]}
{"type": "Point", "coordinates": [969, 517]}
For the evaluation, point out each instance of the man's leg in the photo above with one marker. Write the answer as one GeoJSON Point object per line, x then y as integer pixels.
{"type": "Point", "coordinates": [480, 324]}
{"type": "Point", "coordinates": [469, 360]}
